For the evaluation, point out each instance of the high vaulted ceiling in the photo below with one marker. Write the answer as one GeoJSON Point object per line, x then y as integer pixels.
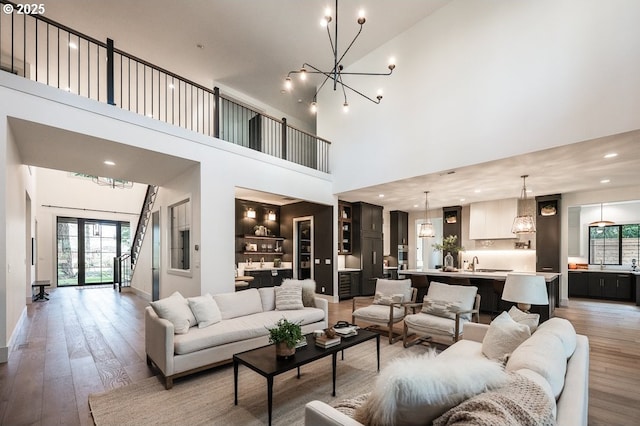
{"type": "Point", "coordinates": [247, 45]}
{"type": "Point", "coordinates": [250, 45]}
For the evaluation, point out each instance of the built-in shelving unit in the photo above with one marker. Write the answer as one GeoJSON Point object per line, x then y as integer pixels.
{"type": "Point", "coordinates": [264, 245]}
{"type": "Point", "coordinates": [345, 228]}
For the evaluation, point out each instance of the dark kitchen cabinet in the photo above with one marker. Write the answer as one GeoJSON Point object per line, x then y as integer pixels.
{"type": "Point", "coordinates": [268, 278]}
{"type": "Point", "coordinates": [579, 284]}
{"type": "Point", "coordinates": [367, 245]}
{"type": "Point", "coordinates": [548, 233]}
{"type": "Point", "coordinates": [349, 284]}
{"type": "Point", "coordinates": [399, 230]}
{"type": "Point", "coordinates": [612, 286]}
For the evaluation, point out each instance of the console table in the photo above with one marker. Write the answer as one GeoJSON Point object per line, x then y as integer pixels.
{"type": "Point", "coordinates": [41, 295]}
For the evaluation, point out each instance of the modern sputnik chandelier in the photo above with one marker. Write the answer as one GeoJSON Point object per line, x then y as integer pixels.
{"type": "Point", "coordinates": [337, 72]}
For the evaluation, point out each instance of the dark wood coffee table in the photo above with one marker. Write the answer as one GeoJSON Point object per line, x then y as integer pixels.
{"type": "Point", "coordinates": [264, 361]}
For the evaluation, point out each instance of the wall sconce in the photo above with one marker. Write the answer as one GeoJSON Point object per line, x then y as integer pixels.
{"type": "Point", "coordinates": [271, 216]}
{"type": "Point", "coordinates": [251, 213]}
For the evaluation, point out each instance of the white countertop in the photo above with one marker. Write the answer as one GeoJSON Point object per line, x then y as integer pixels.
{"type": "Point", "coordinates": [266, 268]}
{"type": "Point", "coordinates": [478, 274]}
{"type": "Point", "coordinates": [349, 270]}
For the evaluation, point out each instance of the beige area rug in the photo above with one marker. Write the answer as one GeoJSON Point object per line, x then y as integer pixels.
{"type": "Point", "coordinates": [207, 398]}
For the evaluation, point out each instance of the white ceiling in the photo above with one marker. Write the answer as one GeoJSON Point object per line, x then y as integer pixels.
{"type": "Point", "coordinates": [250, 46]}
{"type": "Point", "coordinates": [53, 148]}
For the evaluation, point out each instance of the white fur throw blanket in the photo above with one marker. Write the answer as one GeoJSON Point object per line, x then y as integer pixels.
{"type": "Point", "coordinates": [519, 402]}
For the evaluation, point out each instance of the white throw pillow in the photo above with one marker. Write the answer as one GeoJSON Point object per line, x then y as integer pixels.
{"type": "Point", "coordinates": [308, 290]}
{"type": "Point", "coordinates": [268, 298]}
{"type": "Point", "coordinates": [175, 309]}
{"type": "Point", "coordinates": [415, 390]}
{"type": "Point", "coordinates": [239, 303]}
{"type": "Point", "coordinates": [289, 298]}
{"type": "Point", "coordinates": [528, 319]}
{"type": "Point", "coordinates": [503, 337]}
{"type": "Point", "coordinates": [387, 299]}
{"type": "Point", "coordinates": [205, 309]}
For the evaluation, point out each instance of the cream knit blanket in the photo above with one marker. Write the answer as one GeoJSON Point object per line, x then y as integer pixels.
{"type": "Point", "coordinates": [520, 402]}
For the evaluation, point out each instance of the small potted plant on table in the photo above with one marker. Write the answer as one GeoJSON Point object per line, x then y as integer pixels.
{"type": "Point", "coordinates": [285, 335]}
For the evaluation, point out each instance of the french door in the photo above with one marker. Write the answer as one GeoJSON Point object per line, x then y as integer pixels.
{"type": "Point", "coordinates": [86, 249]}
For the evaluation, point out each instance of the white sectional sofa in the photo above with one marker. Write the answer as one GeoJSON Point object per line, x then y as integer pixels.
{"type": "Point", "coordinates": [554, 357]}
{"type": "Point", "coordinates": [244, 317]}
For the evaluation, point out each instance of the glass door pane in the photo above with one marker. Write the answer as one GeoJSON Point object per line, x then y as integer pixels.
{"type": "Point", "coordinates": [100, 247]}
{"type": "Point", "coordinates": [67, 242]}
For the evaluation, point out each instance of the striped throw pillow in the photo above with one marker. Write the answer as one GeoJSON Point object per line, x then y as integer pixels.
{"type": "Point", "coordinates": [289, 298]}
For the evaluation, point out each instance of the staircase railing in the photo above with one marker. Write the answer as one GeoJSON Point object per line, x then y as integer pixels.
{"type": "Point", "coordinates": [122, 271]}
{"type": "Point", "coordinates": [40, 49]}
{"type": "Point", "coordinates": [145, 214]}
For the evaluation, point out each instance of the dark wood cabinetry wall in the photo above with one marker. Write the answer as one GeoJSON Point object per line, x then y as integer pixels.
{"type": "Point", "coordinates": [399, 230]}
{"type": "Point", "coordinates": [548, 233]}
{"type": "Point", "coordinates": [323, 241]}
{"type": "Point", "coordinates": [367, 245]}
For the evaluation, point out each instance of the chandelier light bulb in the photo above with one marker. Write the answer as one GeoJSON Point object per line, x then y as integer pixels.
{"type": "Point", "coordinates": [345, 107]}
{"type": "Point", "coordinates": [314, 107]}
{"type": "Point", "coordinates": [303, 74]}
{"type": "Point", "coordinates": [361, 17]}
{"type": "Point", "coordinates": [288, 84]}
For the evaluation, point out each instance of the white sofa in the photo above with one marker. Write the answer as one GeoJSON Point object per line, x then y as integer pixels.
{"type": "Point", "coordinates": [538, 358]}
{"type": "Point", "coordinates": [246, 316]}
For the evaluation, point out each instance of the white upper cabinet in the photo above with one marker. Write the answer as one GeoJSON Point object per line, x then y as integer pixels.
{"type": "Point", "coordinates": [492, 220]}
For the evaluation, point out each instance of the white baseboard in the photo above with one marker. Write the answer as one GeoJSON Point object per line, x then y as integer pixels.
{"type": "Point", "coordinates": [563, 303]}
{"type": "Point", "coordinates": [4, 351]}
{"type": "Point", "coordinates": [139, 292]}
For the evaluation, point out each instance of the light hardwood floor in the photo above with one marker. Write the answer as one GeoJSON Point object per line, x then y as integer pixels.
{"type": "Point", "coordinates": [89, 340]}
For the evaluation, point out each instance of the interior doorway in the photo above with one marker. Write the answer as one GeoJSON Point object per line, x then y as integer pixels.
{"type": "Point", "coordinates": [303, 247]}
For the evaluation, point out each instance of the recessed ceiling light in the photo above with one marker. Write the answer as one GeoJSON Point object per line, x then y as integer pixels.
{"type": "Point", "coordinates": [529, 191]}
{"type": "Point", "coordinates": [109, 163]}
{"type": "Point", "coordinates": [611, 155]}
{"type": "Point", "coordinates": [415, 206]}
{"type": "Point", "coordinates": [380, 195]}
{"type": "Point", "coordinates": [461, 199]}
{"type": "Point", "coordinates": [605, 181]}
{"type": "Point", "coordinates": [477, 191]}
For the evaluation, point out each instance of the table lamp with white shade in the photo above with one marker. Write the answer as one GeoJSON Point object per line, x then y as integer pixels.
{"type": "Point", "coordinates": [525, 290]}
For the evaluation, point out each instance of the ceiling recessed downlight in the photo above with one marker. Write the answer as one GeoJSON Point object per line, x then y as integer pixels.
{"type": "Point", "coordinates": [380, 195]}
{"type": "Point", "coordinates": [109, 163]}
{"type": "Point", "coordinates": [611, 155]}
{"type": "Point", "coordinates": [605, 181]}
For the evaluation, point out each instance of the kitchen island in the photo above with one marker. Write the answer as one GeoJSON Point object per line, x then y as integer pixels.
{"type": "Point", "coordinates": [490, 285]}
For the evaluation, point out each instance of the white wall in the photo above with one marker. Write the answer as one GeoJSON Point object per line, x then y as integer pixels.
{"type": "Point", "coordinates": [14, 258]}
{"type": "Point", "coordinates": [223, 166]}
{"type": "Point", "coordinates": [483, 80]}
{"type": "Point", "coordinates": [77, 197]}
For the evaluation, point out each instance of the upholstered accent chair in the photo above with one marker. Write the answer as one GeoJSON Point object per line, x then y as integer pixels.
{"type": "Point", "coordinates": [386, 307]}
{"type": "Point", "coordinates": [442, 314]}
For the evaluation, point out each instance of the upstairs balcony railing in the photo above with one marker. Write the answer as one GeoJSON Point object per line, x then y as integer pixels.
{"type": "Point", "coordinates": [42, 50]}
